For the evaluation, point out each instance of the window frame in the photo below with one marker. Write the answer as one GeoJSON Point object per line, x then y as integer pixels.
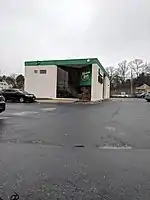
{"type": "Point", "coordinates": [35, 71]}
{"type": "Point", "coordinates": [44, 71]}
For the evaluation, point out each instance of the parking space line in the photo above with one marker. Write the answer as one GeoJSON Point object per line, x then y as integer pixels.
{"type": "Point", "coordinates": [115, 147]}
{"type": "Point", "coordinates": [3, 117]}
{"type": "Point", "coordinates": [24, 113]}
{"type": "Point", "coordinates": [48, 109]}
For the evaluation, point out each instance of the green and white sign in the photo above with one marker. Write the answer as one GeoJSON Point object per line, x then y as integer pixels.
{"type": "Point", "coordinates": [85, 76]}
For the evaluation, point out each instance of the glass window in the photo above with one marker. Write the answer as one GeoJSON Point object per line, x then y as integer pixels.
{"type": "Point", "coordinates": [42, 71]}
{"type": "Point", "coordinates": [35, 71]}
{"type": "Point", "coordinates": [8, 90]}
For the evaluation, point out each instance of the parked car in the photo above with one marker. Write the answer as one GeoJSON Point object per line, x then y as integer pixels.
{"type": "Point", "coordinates": [147, 97]}
{"type": "Point", "coordinates": [2, 103]}
{"type": "Point", "coordinates": [124, 95]}
{"type": "Point", "coordinates": [17, 95]}
{"type": "Point", "coordinates": [132, 95]}
{"type": "Point", "coordinates": [119, 96]}
{"type": "Point", "coordinates": [140, 95]}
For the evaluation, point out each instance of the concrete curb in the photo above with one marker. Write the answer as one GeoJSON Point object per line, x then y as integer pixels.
{"type": "Point", "coordinates": [67, 101]}
{"type": "Point", "coordinates": [70, 101]}
{"type": "Point", "coordinates": [90, 102]}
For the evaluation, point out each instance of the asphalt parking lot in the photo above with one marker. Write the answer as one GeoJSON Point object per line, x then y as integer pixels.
{"type": "Point", "coordinates": [71, 151]}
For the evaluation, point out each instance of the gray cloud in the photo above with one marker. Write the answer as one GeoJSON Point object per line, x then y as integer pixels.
{"type": "Point", "coordinates": [55, 29]}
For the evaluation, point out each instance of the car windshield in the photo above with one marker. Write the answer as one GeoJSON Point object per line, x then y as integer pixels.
{"type": "Point", "coordinates": [22, 91]}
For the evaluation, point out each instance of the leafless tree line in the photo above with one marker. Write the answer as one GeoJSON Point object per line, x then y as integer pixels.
{"type": "Point", "coordinates": [125, 71]}
{"type": "Point", "coordinates": [17, 81]}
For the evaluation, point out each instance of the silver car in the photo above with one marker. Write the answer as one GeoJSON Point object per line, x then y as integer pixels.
{"type": "Point", "coordinates": [147, 97]}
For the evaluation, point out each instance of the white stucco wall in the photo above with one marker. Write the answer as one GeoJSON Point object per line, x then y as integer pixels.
{"type": "Point", "coordinates": [42, 85]}
{"type": "Point", "coordinates": [106, 88]}
{"type": "Point", "coordinates": [96, 87]}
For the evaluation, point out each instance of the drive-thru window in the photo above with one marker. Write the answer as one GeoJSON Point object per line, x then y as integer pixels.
{"type": "Point", "coordinates": [77, 78]}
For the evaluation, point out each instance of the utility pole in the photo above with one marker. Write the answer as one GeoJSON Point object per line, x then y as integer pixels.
{"type": "Point", "coordinates": [131, 82]}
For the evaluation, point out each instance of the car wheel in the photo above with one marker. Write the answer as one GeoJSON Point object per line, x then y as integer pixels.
{"type": "Point", "coordinates": [21, 100]}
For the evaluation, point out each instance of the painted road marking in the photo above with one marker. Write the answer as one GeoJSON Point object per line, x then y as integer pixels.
{"type": "Point", "coordinates": [24, 113]}
{"type": "Point", "coordinates": [2, 117]}
{"type": "Point", "coordinates": [110, 128]}
{"type": "Point", "coordinates": [48, 109]}
{"type": "Point", "coordinates": [116, 148]}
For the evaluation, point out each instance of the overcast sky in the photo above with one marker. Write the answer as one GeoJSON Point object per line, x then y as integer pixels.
{"type": "Point", "coordinates": [112, 30]}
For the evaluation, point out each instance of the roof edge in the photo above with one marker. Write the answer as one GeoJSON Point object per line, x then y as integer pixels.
{"type": "Point", "coordinates": [81, 61]}
{"type": "Point", "coordinates": [101, 66]}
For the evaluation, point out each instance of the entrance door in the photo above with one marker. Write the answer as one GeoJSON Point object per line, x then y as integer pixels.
{"type": "Point", "coordinates": [85, 93]}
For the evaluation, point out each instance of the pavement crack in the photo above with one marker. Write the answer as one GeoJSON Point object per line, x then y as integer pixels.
{"type": "Point", "coordinates": [116, 112]}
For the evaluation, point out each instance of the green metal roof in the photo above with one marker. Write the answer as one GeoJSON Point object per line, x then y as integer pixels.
{"type": "Point", "coordinates": [87, 61]}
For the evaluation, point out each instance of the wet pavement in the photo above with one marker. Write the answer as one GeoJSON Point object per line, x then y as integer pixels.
{"type": "Point", "coordinates": [70, 151]}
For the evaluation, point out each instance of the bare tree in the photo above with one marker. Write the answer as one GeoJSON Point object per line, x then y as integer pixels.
{"type": "Point", "coordinates": [111, 72]}
{"type": "Point", "coordinates": [123, 70]}
{"type": "Point", "coordinates": [20, 81]}
{"type": "Point", "coordinates": [10, 80]}
{"type": "Point", "coordinates": [13, 76]}
{"type": "Point", "coordinates": [137, 66]}
{"type": "Point", "coordinates": [114, 77]}
{"type": "Point", "coordinates": [146, 68]}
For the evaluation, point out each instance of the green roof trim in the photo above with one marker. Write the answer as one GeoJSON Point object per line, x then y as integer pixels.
{"type": "Point", "coordinates": [87, 61]}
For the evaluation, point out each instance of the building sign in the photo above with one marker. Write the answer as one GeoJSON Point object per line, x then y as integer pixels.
{"type": "Point", "coordinates": [85, 76]}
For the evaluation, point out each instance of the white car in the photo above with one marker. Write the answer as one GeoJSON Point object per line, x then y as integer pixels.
{"type": "Point", "coordinates": [124, 95]}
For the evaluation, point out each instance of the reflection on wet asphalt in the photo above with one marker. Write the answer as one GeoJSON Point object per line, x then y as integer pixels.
{"type": "Point", "coordinates": [57, 151]}
{"type": "Point", "coordinates": [2, 126]}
